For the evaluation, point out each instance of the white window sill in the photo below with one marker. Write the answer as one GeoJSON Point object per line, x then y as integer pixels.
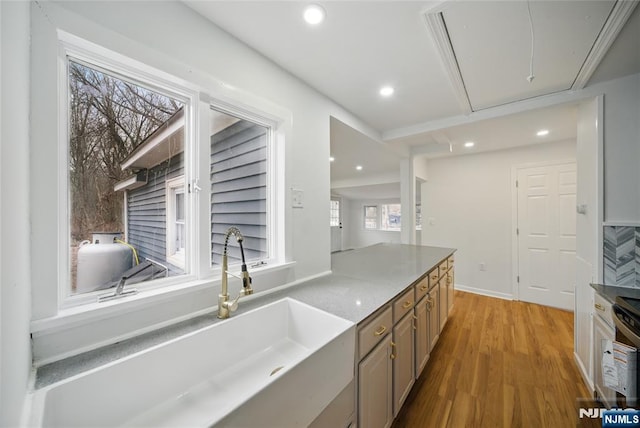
{"type": "Point", "coordinates": [81, 320]}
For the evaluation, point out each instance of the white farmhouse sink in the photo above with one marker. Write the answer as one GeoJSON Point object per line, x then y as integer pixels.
{"type": "Point", "coordinates": [277, 365]}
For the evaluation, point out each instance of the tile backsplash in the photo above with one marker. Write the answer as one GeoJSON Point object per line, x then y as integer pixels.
{"type": "Point", "coordinates": [622, 256]}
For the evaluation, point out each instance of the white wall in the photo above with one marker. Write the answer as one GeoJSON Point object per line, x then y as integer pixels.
{"type": "Point", "coordinates": [172, 38]}
{"type": "Point", "coordinates": [467, 205]}
{"type": "Point", "coordinates": [355, 235]}
{"type": "Point", "coordinates": [15, 349]}
{"type": "Point", "coordinates": [621, 148]}
{"type": "Point", "coordinates": [588, 229]}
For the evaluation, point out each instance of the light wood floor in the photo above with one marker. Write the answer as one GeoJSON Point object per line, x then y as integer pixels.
{"type": "Point", "coordinates": [500, 363]}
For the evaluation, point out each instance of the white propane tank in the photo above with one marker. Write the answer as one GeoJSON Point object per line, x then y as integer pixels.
{"type": "Point", "coordinates": [102, 261]}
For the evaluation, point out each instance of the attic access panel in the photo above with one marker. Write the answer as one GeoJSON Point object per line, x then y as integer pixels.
{"type": "Point", "coordinates": [491, 45]}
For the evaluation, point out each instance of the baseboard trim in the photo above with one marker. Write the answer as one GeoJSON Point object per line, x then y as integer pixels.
{"type": "Point", "coordinates": [583, 372]}
{"type": "Point", "coordinates": [483, 292]}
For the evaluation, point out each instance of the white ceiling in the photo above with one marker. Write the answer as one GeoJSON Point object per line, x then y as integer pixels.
{"type": "Point", "coordinates": [363, 45]}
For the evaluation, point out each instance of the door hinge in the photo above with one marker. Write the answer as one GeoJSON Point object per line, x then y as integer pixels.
{"type": "Point", "coordinates": [517, 231]}
{"type": "Point", "coordinates": [518, 278]}
{"type": "Point", "coordinates": [516, 183]}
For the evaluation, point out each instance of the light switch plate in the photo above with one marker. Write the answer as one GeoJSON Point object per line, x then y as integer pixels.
{"type": "Point", "coordinates": [297, 198]}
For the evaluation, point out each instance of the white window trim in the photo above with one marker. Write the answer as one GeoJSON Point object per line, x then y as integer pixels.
{"type": "Point", "coordinates": [275, 210]}
{"type": "Point", "coordinates": [122, 67]}
{"type": "Point", "coordinates": [174, 186]}
{"type": "Point", "coordinates": [195, 99]}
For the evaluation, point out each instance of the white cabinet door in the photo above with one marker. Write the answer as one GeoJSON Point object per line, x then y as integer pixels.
{"type": "Point", "coordinates": [450, 290]}
{"type": "Point", "coordinates": [433, 305]}
{"type": "Point", "coordinates": [443, 301]}
{"type": "Point", "coordinates": [421, 335]}
{"type": "Point", "coordinates": [375, 383]}
{"type": "Point", "coordinates": [403, 361]}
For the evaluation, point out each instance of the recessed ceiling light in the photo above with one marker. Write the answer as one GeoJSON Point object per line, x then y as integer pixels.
{"type": "Point", "coordinates": [469, 144]}
{"type": "Point", "coordinates": [331, 158]}
{"type": "Point", "coordinates": [314, 14]}
{"type": "Point", "coordinates": [542, 132]}
{"type": "Point", "coordinates": [386, 91]}
{"type": "Point", "coordinates": [359, 167]}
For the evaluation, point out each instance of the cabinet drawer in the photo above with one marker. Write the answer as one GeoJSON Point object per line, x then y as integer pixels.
{"type": "Point", "coordinates": [374, 331]}
{"type": "Point", "coordinates": [422, 287]}
{"type": "Point", "coordinates": [450, 262]}
{"type": "Point", "coordinates": [443, 268]}
{"type": "Point", "coordinates": [602, 307]}
{"type": "Point", "coordinates": [434, 276]}
{"type": "Point", "coordinates": [403, 304]}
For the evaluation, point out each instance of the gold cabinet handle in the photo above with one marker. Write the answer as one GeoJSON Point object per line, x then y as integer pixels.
{"type": "Point", "coordinates": [599, 307]}
{"type": "Point", "coordinates": [380, 331]}
{"type": "Point", "coordinates": [393, 351]}
{"type": "Point", "coordinates": [407, 304]}
{"type": "Point", "coordinates": [423, 288]}
{"type": "Point", "coordinates": [448, 279]}
{"type": "Point", "coordinates": [415, 318]}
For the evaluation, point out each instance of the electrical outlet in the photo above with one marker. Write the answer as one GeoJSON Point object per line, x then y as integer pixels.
{"type": "Point", "coordinates": [297, 198]}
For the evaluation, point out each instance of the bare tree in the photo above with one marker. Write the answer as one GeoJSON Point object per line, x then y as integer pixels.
{"type": "Point", "coordinates": [109, 118]}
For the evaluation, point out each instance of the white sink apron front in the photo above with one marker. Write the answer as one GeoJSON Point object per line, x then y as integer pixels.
{"type": "Point", "coordinates": [277, 365]}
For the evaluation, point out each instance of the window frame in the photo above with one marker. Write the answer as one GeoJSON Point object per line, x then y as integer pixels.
{"type": "Point", "coordinates": [274, 211]}
{"type": "Point", "coordinates": [386, 229]}
{"type": "Point", "coordinates": [375, 218]}
{"type": "Point", "coordinates": [197, 102]}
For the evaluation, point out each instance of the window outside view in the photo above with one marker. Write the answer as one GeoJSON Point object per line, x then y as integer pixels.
{"type": "Point", "coordinates": [390, 217]}
{"type": "Point", "coordinates": [125, 145]}
{"type": "Point", "coordinates": [371, 217]}
{"type": "Point", "coordinates": [128, 194]}
{"type": "Point", "coordinates": [238, 175]}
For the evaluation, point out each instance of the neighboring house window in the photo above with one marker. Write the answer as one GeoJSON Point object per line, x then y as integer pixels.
{"type": "Point", "coordinates": [176, 223]}
{"type": "Point", "coordinates": [390, 217]}
{"type": "Point", "coordinates": [370, 216]}
{"type": "Point", "coordinates": [334, 213]}
{"type": "Point", "coordinates": [418, 216]}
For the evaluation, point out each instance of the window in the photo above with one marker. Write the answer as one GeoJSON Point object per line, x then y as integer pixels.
{"type": "Point", "coordinates": [239, 176]}
{"type": "Point", "coordinates": [370, 216]}
{"type": "Point", "coordinates": [334, 212]}
{"type": "Point", "coordinates": [176, 223]}
{"type": "Point", "coordinates": [418, 216]}
{"type": "Point", "coordinates": [125, 145]}
{"type": "Point", "coordinates": [134, 172]}
{"type": "Point", "coordinates": [390, 214]}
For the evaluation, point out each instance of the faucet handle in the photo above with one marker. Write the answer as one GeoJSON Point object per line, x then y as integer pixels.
{"type": "Point", "coordinates": [233, 304]}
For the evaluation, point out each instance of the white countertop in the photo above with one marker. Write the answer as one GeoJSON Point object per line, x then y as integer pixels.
{"type": "Point", "coordinates": [361, 282]}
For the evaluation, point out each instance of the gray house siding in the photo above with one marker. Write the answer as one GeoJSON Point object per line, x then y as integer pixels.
{"type": "Point", "coordinates": [239, 189]}
{"type": "Point", "coordinates": [147, 212]}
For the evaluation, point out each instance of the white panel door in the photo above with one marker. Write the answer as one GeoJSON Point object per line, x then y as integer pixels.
{"type": "Point", "coordinates": [546, 232]}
